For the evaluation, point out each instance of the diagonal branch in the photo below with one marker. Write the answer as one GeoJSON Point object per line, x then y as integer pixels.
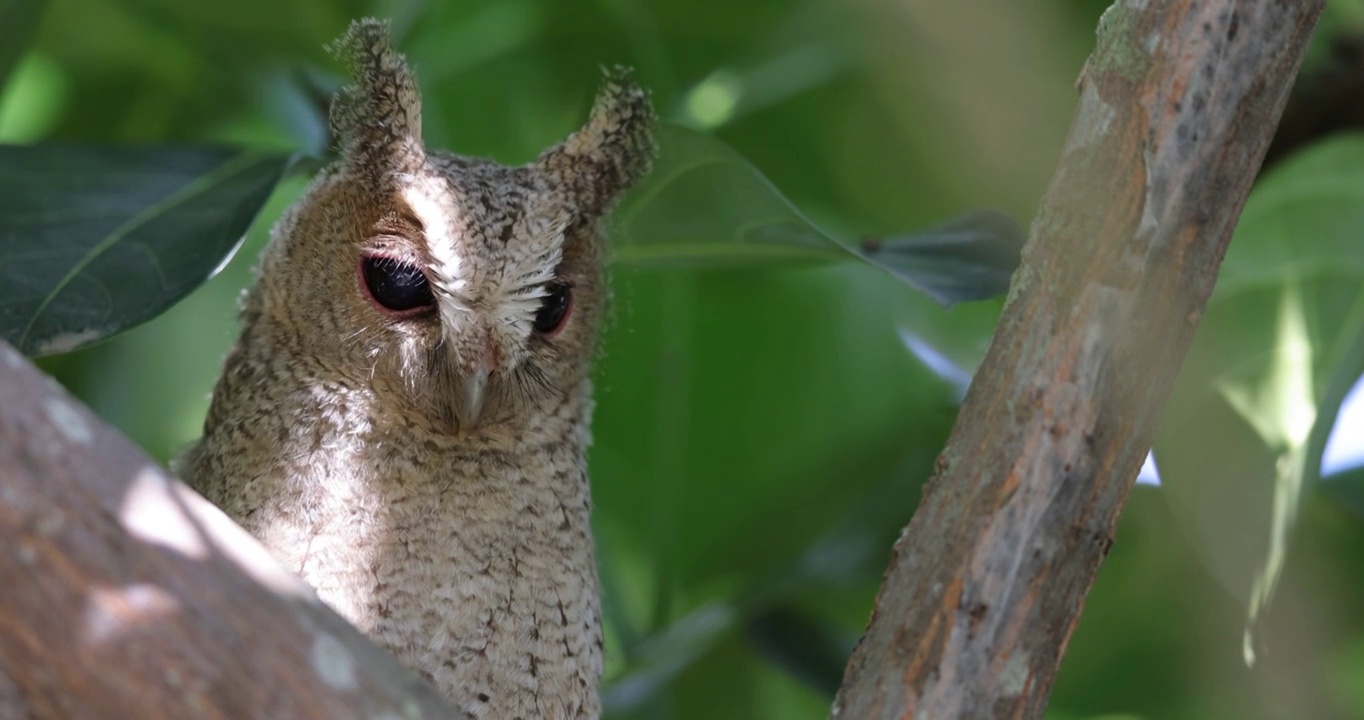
{"type": "Point", "coordinates": [126, 595]}
{"type": "Point", "coordinates": [1177, 105]}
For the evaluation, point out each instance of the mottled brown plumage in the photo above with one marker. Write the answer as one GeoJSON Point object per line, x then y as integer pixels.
{"type": "Point", "coordinates": [426, 473]}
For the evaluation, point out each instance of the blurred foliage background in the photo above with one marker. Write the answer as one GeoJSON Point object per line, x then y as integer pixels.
{"type": "Point", "coordinates": [762, 434]}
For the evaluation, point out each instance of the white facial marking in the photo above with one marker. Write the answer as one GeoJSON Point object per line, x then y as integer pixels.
{"type": "Point", "coordinates": [530, 264]}
{"type": "Point", "coordinates": [429, 198]}
{"type": "Point", "coordinates": [506, 282]}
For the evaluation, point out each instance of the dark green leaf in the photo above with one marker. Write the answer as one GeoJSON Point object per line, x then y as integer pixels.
{"type": "Point", "coordinates": [803, 645]}
{"type": "Point", "coordinates": [704, 205]}
{"type": "Point", "coordinates": [94, 240]}
{"type": "Point", "coordinates": [18, 21]}
{"type": "Point", "coordinates": [1346, 490]}
{"type": "Point", "coordinates": [1280, 345]}
{"type": "Point", "coordinates": [969, 257]}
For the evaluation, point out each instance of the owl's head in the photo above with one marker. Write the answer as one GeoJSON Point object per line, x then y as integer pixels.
{"type": "Point", "coordinates": [457, 288]}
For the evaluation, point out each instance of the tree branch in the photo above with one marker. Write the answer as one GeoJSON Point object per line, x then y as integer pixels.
{"type": "Point", "coordinates": [126, 595]}
{"type": "Point", "coordinates": [1177, 105]}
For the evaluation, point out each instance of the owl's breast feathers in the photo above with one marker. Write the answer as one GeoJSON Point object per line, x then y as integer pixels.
{"type": "Point", "coordinates": [469, 558]}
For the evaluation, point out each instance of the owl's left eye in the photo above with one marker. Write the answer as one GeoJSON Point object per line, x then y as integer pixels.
{"type": "Point", "coordinates": [398, 287]}
{"type": "Point", "coordinates": [553, 308]}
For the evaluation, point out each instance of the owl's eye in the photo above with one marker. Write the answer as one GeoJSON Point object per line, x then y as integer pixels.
{"type": "Point", "coordinates": [553, 308]}
{"type": "Point", "coordinates": [396, 286]}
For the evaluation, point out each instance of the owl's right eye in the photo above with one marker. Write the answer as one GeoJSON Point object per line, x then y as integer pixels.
{"type": "Point", "coordinates": [395, 286]}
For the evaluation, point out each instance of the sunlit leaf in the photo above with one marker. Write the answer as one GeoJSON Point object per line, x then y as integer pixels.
{"type": "Point", "coordinates": [96, 240]}
{"type": "Point", "coordinates": [18, 22]}
{"type": "Point", "coordinates": [1282, 341]}
{"type": "Point", "coordinates": [704, 205]}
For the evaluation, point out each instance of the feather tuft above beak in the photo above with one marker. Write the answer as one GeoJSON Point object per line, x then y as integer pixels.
{"type": "Point", "coordinates": [471, 394]}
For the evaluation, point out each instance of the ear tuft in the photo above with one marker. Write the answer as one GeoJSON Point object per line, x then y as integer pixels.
{"type": "Point", "coordinates": [378, 119]}
{"type": "Point", "coordinates": [612, 152]}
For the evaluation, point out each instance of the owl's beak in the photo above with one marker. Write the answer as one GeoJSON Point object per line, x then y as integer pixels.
{"type": "Point", "coordinates": [471, 392]}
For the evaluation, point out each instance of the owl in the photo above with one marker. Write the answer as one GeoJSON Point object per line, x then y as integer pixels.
{"type": "Point", "coordinates": [404, 418]}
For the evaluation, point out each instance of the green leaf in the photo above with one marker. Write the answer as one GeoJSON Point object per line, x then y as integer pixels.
{"type": "Point", "coordinates": [1280, 345]}
{"type": "Point", "coordinates": [767, 610]}
{"type": "Point", "coordinates": [705, 206]}
{"type": "Point", "coordinates": [804, 645]}
{"type": "Point", "coordinates": [18, 22]}
{"type": "Point", "coordinates": [1346, 490]}
{"type": "Point", "coordinates": [94, 240]}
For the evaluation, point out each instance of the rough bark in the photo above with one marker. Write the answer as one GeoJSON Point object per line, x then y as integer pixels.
{"type": "Point", "coordinates": [126, 595]}
{"type": "Point", "coordinates": [1178, 104]}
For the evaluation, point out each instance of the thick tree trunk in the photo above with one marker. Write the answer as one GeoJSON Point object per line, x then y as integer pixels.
{"type": "Point", "coordinates": [123, 594]}
{"type": "Point", "coordinates": [1177, 105]}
